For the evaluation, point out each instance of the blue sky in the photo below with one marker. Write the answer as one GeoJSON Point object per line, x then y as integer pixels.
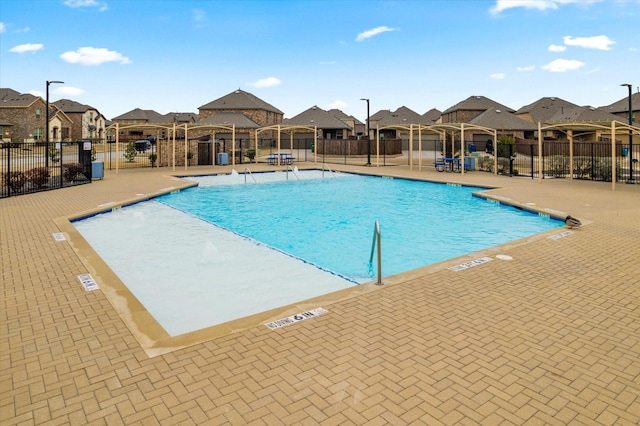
{"type": "Point", "coordinates": [175, 56]}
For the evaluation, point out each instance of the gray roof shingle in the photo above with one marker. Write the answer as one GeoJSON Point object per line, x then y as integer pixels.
{"type": "Point", "coordinates": [544, 108]}
{"type": "Point", "coordinates": [498, 119]}
{"type": "Point", "coordinates": [9, 98]}
{"type": "Point", "coordinates": [316, 116]}
{"type": "Point", "coordinates": [477, 103]}
{"type": "Point", "coordinates": [582, 114]}
{"type": "Point", "coordinates": [240, 120]}
{"type": "Point", "coordinates": [240, 100]}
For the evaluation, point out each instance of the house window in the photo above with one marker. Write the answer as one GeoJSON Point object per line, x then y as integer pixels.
{"type": "Point", "coordinates": [1, 133]}
{"type": "Point", "coordinates": [91, 117]}
{"type": "Point", "coordinates": [38, 113]}
{"type": "Point", "coordinates": [37, 133]}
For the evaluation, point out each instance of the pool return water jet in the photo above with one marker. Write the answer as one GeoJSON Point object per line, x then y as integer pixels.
{"type": "Point", "coordinates": [376, 241]}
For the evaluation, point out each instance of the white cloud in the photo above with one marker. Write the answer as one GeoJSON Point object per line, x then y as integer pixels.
{"type": "Point", "coordinates": [93, 56]}
{"type": "Point", "coordinates": [373, 32]}
{"type": "Point", "coordinates": [36, 93]}
{"type": "Point", "coordinates": [502, 5]}
{"type": "Point", "coordinates": [498, 76]}
{"type": "Point", "coordinates": [556, 48]}
{"type": "Point", "coordinates": [600, 42]}
{"type": "Point", "coordinates": [527, 68]}
{"type": "Point", "coordinates": [338, 104]}
{"type": "Point", "coordinates": [266, 82]}
{"type": "Point", "coordinates": [562, 65]}
{"type": "Point", "coordinates": [199, 17]}
{"type": "Point", "coordinates": [68, 91]}
{"type": "Point", "coordinates": [29, 47]}
{"type": "Point", "coordinates": [3, 28]}
{"type": "Point", "coordinates": [102, 6]}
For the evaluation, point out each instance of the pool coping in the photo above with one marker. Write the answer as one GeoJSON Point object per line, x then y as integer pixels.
{"type": "Point", "coordinates": [155, 340]}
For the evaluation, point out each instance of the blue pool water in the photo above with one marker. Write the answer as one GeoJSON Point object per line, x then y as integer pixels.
{"type": "Point", "coordinates": [228, 249]}
{"type": "Point", "coordinates": [329, 222]}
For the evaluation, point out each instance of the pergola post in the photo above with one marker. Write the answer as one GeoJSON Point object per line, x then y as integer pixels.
{"type": "Point", "coordinates": [173, 138]}
{"type": "Point", "coordinates": [419, 147]}
{"type": "Point", "coordinates": [186, 147]}
{"type": "Point", "coordinates": [540, 152]}
{"type": "Point", "coordinates": [613, 155]}
{"type": "Point", "coordinates": [462, 145]}
{"type": "Point", "coordinates": [117, 147]}
{"type": "Point", "coordinates": [410, 147]}
{"type": "Point", "coordinates": [570, 136]}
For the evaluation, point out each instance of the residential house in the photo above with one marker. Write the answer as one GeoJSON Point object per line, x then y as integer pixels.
{"type": "Point", "coordinates": [544, 108]}
{"type": "Point", "coordinates": [464, 111]}
{"type": "Point", "coordinates": [87, 122]}
{"type": "Point", "coordinates": [239, 101]}
{"type": "Point", "coordinates": [145, 123]}
{"type": "Point", "coordinates": [505, 122]}
{"type": "Point", "coordinates": [358, 128]}
{"type": "Point", "coordinates": [432, 116]}
{"type": "Point", "coordinates": [327, 124]}
{"type": "Point", "coordinates": [393, 125]}
{"type": "Point", "coordinates": [588, 124]}
{"type": "Point", "coordinates": [246, 103]}
{"type": "Point", "coordinates": [25, 118]}
{"type": "Point", "coordinates": [621, 108]}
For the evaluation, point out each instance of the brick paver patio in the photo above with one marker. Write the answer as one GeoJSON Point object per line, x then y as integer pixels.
{"type": "Point", "coordinates": [551, 336]}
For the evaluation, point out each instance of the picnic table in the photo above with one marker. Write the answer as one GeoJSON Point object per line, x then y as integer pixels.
{"type": "Point", "coordinates": [284, 157]}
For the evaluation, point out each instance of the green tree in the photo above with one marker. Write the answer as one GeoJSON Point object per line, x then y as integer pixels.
{"type": "Point", "coordinates": [130, 152]}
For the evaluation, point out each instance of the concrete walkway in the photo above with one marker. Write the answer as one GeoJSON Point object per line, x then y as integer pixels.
{"type": "Point", "coordinates": [551, 336]}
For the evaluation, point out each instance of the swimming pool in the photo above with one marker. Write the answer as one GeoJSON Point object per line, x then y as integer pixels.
{"type": "Point", "coordinates": [226, 249]}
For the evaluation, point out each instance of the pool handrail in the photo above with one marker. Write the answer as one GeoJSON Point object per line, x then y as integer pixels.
{"type": "Point", "coordinates": [376, 239]}
{"type": "Point", "coordinates": [325, 165]}
{"type": "Point", "coordinates": [246, 169]}
{"type": "Point", "coordinates": [292, 171]}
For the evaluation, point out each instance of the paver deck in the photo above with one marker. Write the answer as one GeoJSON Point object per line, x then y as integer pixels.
{"type": "Point", "coordinates": [551, 336]}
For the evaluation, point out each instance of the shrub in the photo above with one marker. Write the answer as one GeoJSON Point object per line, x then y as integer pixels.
{"type": "Point", "coordinates": [72, 171]}
{"type": "Point", "coordinates": [16, 180]}
{"type": "Point", "coordinates": [54, 154]}
{"type": "Point", "coordinates": [130, 152]}
{"type": "Point", "coordinates": [38, 176]}
{"type": "Point", "coordinates": [506, 146]}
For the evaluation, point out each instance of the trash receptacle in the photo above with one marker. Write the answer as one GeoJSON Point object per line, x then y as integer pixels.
{"type": "Point", "coordinates": [625, 151]}
{"type": "Point", "coordinates": [472, 147]}
{"type": "Point", "coordinates": [222, 159]}
{"type": "Point", "coordinates": [313, 147]}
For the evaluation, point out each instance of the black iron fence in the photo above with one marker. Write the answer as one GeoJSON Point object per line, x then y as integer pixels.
{"type": "Point", "coordinates": [28, 167]}
{"type": "Point", "coordinates": [128, 154]}
{"type": "Point", "coordinates": [589, 160]}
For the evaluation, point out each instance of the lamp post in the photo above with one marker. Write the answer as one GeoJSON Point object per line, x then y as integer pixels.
{"type": "Point", "coordinates": [46, 137]}
{"type": "Point", "coordinates": [631, 180]}
{"type": "Point", "coordinates": [368, 136]}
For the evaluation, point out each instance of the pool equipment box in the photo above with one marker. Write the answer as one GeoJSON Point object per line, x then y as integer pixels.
{"type": "Point", "coordinates": [222, 159]}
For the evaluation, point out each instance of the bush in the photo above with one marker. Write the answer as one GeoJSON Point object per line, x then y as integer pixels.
{"type": "Point", "coordinates": [130, 152]}
{"type": "Point", "coordinates": [251, 153]}
{"type": "Point", "coordinates": [16, 180]}
{"type": "Point", "coordinates": [72, 171]}
{"type": "Point", "coordinates": [54, 154]}
{"type": "Point", "coordinates": [506, 145]}
{"type": "Point", "coordinates": [38, 176]}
